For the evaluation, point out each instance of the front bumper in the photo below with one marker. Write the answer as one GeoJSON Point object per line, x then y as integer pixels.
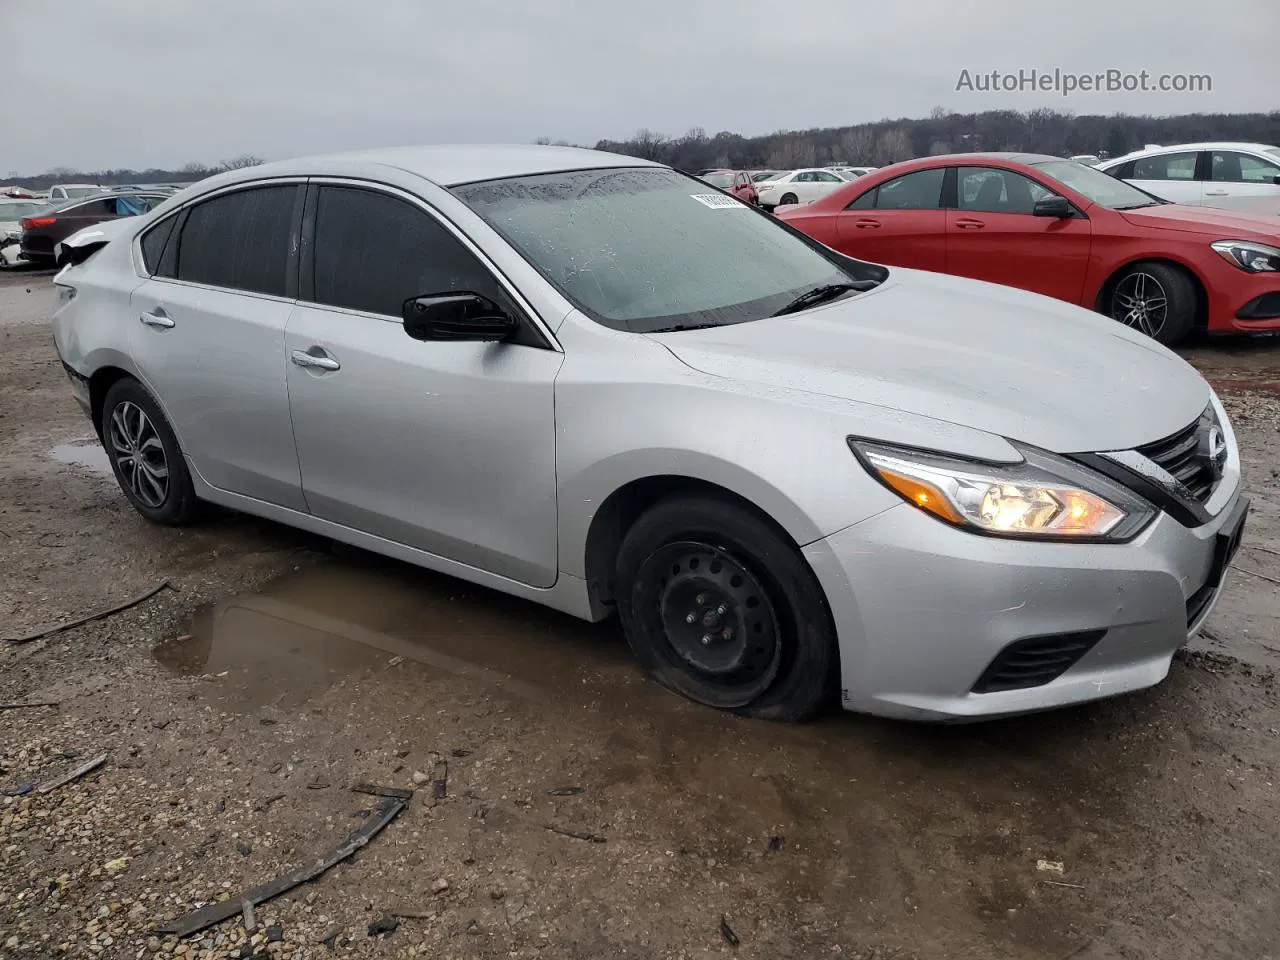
{"type": "Point", "coordinates": [923, 609]}
{"type": "Point", "coordinates": [1241, 302]}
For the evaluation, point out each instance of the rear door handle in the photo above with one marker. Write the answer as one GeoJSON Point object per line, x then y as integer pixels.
{"type": "Point", "coordinates": [314, 361]}
{"type": "Point", "coordinates": [970, 224]}
{"type": "Point", "coordinates": [1216, 193]}
{"type": "Point", "coordinates": [157, 319]}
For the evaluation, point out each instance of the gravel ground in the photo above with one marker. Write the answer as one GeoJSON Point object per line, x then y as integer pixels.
{"type": "Point", "coordinates": [586, 813]}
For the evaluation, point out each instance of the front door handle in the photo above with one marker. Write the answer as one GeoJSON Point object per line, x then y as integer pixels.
{"type": "Point", "coordinates": [1216, 193]}
{"type": "Point", "coordinates": [313, 361]}
{"type": "Point", "coordinates": [866, 224]}
{"type": "Point", "coordinates": [970, 224]}
{"type": "Point", "coordinates": [157, 319]}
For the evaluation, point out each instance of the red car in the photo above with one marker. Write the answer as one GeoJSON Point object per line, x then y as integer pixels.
{"type": "Point", "coordinates": [1063, 229]}
{"type": "Point", "coordinates": [737, 182]}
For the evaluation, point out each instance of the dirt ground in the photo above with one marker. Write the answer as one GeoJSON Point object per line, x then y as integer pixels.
{"type": "Point", "coordinates": [586, 812]}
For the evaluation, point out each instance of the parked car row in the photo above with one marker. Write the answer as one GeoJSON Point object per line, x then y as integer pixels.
{"type": "Point", "coordinates": [1063, 229]}
{"type": "Point", "coordinates": [1232, 176]}
{"type": "Point", "coordinates": [37, 227]}
{"type": "Point", "coordinates": [920, 491]}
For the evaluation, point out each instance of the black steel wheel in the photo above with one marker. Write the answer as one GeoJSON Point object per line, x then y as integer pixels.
{"type": "Point", "coordinates": [788, 198]}
{"type": "Point", "coordinates": [719, 606]}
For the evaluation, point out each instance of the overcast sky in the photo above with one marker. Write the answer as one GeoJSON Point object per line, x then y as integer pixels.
{"type": "Point", "coordinates": [93, 84]}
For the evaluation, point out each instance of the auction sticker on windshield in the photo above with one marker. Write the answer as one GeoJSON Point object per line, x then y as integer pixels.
{"type": "Point", "coordinates": [717, 202]}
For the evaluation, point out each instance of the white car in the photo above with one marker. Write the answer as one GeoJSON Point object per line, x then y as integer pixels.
{"type": "Point", "coordinates": [1234, 176]}
{"type": "Point", "coordinates": [799, 186]}
{"type": "Point", "coordinates": [11, 213]}
{"type": "Point", "coordinates": [73, 191]}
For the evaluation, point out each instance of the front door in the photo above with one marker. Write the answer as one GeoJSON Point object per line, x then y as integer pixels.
{"type": "Point", "coordinates": [448, 447]}
{"type": "Point", "coordinates": [993, 235]}
{"type": "Point", "coordinates": [1242, 181]}
{"type": "Point", "coordinates": [901, 223]}
{"type": "Point", "coordinates": [207, 334]}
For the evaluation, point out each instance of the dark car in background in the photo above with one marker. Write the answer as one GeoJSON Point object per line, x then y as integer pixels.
{"type": "Point", "coordinates": [42, 232]}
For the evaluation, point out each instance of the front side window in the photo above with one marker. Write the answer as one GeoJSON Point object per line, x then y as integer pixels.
{"type": "Point", "coordinates": [643, 250]}
{"type": "Point", "coordinates": [921, 190]}
{"type": "Point", "coordinates": [240, 240]}
{"type": "Point", "coordinates": [373, 252]}
{"type": "Point", "coordinates": [1096, 186]}
{"type": "Point", "coordinates": [1166, 166]}
{"type": "Point", "coordinates": [989, 190]}
{"type": "Point", "coordinates": [1231, 167]}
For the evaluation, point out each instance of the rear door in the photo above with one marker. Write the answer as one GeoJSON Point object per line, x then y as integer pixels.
{"type": "Point", "coordinates": [993, 235]}
{"type": "Point", "coordinates": [901, 222]}
{"type": "Point", "coordinates": [448, 447]}
{"type": "Point", "coordinates": [1242, 181]}
{"type": "Point", "coordinates": [1170, 176]}
{"type": "Point", "coordinates": [207, 334]}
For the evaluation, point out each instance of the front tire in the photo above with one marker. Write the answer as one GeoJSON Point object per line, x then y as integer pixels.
{"type": "Point", "coordinates": [1156, 299]}
{"type": "Point", "coordinates": [718, 606]}
{"type": "Point", "coordinates": [145, 456]}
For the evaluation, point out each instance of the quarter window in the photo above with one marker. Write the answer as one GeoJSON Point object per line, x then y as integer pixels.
{"type": "Point", "coordinates": [373, 252]}
{"type": "Point", "coordinates": [153, 242]}
{"type": "Point", "coordinates": [240, 240]}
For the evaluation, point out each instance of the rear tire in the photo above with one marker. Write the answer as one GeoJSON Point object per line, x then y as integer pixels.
{"type": "Point", "coordinates": [788, 198]}
{"type": "Point", "coordinates": [145, 456]}
{"type": "Point", "coordinates": [719, 606]}
{"type": "Point", "coordinates": [1156, 299]}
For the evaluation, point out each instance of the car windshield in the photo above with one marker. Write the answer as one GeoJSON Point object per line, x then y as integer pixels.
{"type": "Point", "coordinates": [721, 180]}
{"type": "Point", "coordinates": [1100, 187]}
{"type": "Point", "coordinates": [16, 211]}
{"type": "Point", "coordinates": [73, 192]}
{"type": "Point", "coordinates": [764, 175]}
{"type": "Point", "coordinates": [644, 250]}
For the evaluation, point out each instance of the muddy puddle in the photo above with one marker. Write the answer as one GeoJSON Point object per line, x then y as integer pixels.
{"type": "Point", "coordinates": [86, 453]}
{"type": "Point", "coordinates": [306, 632]}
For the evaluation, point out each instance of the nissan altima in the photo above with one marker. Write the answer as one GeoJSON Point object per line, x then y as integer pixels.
{"type": "Point", "coordinates": [596, 383]}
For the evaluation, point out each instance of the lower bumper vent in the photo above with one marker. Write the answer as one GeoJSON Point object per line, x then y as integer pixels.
{"type": "Point", "coordinates": [1035, 661]}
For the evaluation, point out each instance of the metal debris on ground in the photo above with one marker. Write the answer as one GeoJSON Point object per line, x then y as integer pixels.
{"type": "Point", "coordinates": [439, 779]}
{"type": "Point", "coordinates": [87, 767]}
{"type": "Point", "coordinates": [726, 931]}
{"type": "Point", "coordinates": [384, 926]}
{"type": "Point", "coordinates": [576, 834]}
{"type": "Point", "coordinates": [395, 793]}
{"type": "Point", "coordinates": [43, 632]}
{"type": "Point", "coordinates": [206, 917]}
{"type": "Point", "coordinates": [1050, 866]}
{"type": "Point", "coordinates": [28, 706]}
{"type": "Point", "coordinates": [566, 792]}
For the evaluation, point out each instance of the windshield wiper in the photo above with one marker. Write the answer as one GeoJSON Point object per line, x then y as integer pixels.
{"type": "Point", "coordinates": [1140, 206]}
{"type": "Point", "coordinates": [828, 291]}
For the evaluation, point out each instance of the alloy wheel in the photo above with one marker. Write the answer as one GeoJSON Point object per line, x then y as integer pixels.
{"type": "Point", "coordinates": [1142, 303]}
{"type": "Point", "coordinates": [138, 452]}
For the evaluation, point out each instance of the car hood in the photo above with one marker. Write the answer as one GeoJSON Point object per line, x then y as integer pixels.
{"type": "Point", "coordinates": [992, 358]}
{"type": "Point", "coordinates": [1206, 220]}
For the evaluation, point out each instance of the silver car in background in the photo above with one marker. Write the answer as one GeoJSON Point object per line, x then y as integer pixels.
{"type": "Point", "coordinates": [595, 383]}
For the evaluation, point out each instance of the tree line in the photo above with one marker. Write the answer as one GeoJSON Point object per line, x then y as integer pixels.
{"type": "Point", "coordinates": [877, 144]}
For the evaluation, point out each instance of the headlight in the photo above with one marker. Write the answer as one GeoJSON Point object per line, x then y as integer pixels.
{"type": "Point", "coordinates": [1249, 256]}
{"type": "Point", "coordinates": [1044, 497]}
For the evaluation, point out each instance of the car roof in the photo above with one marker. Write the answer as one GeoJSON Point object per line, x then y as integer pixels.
{"type": "Point", "coordinates": [449, 165]}
{"type": "Point", "coordinates": [1182, 147]}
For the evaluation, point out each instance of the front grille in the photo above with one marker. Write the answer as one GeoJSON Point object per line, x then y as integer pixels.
{"type": "Point", "coordinates": [1035, 661]}
{"type": "Point", "coordinates": [1179, 456]}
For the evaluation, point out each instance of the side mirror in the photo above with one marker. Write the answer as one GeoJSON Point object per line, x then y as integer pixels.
{"type": "Point", "coordinates": [1058, 207]}
{"type": "Point", "coordinates": [457, 316]}
{"type": "Point", "coordinates": [1276, 180]}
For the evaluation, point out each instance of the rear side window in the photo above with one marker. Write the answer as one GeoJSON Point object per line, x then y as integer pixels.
{"type": "Point", "coordinates": [153, 242]}
{"type": "Point", "coordinates": [373, 252]}
{"type": "Point", "coordinates": [921, 190]}
{"type": "Point", "coordinates": [1166, 166]}
{"type": "Point", "coordinates": [240, 240]}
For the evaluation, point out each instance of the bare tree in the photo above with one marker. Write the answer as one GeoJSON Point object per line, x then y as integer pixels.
{"type": "Point", "coordinates": [240, 162]}
{"type": "Point", "coordinates": [648, 144]}
{"type": "Point", "coordinates": [857, 145]}
{"type": "Point", "coordinates": [791, 151]}
{"type": "Point", "coordinates": [938, 148]}
{"type": "Point", "coordinates": [939, 113]}
{"type": "Point", "coordinates": [892, 146]}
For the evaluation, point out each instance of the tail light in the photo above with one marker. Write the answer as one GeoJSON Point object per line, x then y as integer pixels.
{"type": "Point", "coordinates": [30, 223]}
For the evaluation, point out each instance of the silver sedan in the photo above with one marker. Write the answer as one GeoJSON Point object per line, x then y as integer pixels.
{"type": "Point", "coordinates": [604, 386]}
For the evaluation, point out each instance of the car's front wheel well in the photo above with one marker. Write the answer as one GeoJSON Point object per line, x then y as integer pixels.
{"type": "Point", "coordinates": [624, 506]}
{"type": "Point", "coordinates": [1202, 296]}
{"type": "Point", "coordinates": [102, 381]}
